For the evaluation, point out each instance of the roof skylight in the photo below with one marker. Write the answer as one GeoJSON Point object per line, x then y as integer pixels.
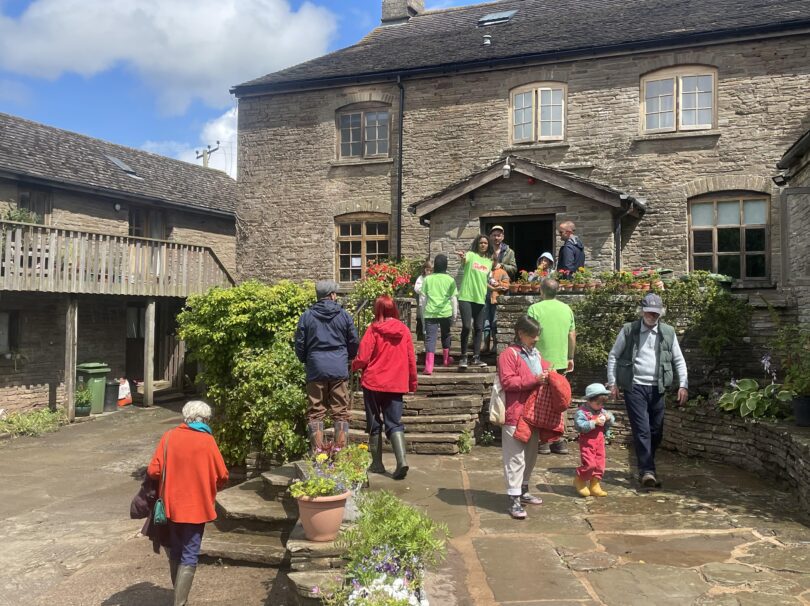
{"type": "Point", "coordinates": [123, 166]}
{"type": "Point", "coordinates": [495, 18]}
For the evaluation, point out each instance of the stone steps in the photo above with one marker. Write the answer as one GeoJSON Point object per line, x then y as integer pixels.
{"type": "Point", "coordinates": [312, 555]}
{"type": "Point", "coordinates": [242, 547]}
{"type": "Point", "coordinates": [419, 442]}
{"type": "Point", "coordinates": [246, 508]}
{"type": "Point", "coordinates": [306, 584]}
{"type": "Point", "coordinates": [424, 423]}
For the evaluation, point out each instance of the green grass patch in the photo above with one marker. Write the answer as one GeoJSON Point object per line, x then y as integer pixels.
{"type": "Point", "coordinates": [33, 423]}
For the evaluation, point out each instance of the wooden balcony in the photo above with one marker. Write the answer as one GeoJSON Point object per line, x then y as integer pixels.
{"type": "Point", "coordinates": [40, 258]}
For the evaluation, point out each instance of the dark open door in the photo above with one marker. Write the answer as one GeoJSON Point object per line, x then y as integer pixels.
{"type": "Point", "coordinates": [528, 236]}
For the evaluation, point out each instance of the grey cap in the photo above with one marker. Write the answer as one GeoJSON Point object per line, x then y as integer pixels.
{"type": "Point", "coordinates": [324, 288]}
{"type": "Point", "coordinates": [652, 302]}
{"type": "Point", "coordinates": [595, 389]}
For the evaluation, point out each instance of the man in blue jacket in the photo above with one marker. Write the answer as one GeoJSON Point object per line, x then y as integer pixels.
{"type": "Point", "coordinates": [325, 341]}
{"type": "Point", "coordinates": [572, 252]}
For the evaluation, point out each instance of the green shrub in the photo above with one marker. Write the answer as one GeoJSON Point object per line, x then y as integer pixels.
{"type": "Point", "coordinates": [465, 442]}
{"type": "Point", "coordinates": [242, 337]}
{"type": "Point", "coordinates": [34, 423]}
{"type": "Point", "coordinates": [697, 305]}
{"type": "Point", "coordinates": [792, 346]}
{"type": "Point", "coordinates": [747, 398]}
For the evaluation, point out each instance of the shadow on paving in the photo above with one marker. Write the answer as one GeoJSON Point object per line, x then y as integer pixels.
{"type": "Point", "coordinates": [140, 594]}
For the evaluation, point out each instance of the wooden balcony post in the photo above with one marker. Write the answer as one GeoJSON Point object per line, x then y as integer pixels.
{"type": "Point", "coordinates": [149, 355]}
{"type": "Point", "coordinates": [71, 334]}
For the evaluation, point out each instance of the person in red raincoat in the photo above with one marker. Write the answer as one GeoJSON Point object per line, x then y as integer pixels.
{"type": "Point", "coordinates": [388, 362]}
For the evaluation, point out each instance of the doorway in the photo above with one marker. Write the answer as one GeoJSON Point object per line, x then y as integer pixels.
{"type": "Point", "coordinates": [528, 236]}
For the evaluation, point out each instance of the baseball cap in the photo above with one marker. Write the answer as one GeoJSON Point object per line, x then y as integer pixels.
{"type": "Point", "coordinates": [324, 288]}
{"type": "Point", "coordinates": [652, 302]}
{"type": "Point", "coordinates": [595, 389]}
{"type": "Point", "coordinates": [494, 227]}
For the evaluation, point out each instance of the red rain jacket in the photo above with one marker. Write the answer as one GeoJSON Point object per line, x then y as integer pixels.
{"type": "Point", "coordinates": [386, 358]}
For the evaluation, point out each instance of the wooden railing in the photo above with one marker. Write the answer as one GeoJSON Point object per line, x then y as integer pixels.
{"type": "Point", "coordinates": [49, 259]}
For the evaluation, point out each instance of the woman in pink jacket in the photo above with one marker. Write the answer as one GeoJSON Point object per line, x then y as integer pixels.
{"type": "Point", "coordinates": [388, 362]}
{"type": "Point", "coordinates": [520, 371]}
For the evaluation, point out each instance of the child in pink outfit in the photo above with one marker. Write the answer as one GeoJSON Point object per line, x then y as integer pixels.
{"type": "Point", "coordinates": [591, 422]}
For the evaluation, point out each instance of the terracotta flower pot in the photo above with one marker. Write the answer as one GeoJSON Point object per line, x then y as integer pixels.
{"type": "Point", "coordinates": [513, 288]}
{"type": "Point", "coordinates": [321, 516]}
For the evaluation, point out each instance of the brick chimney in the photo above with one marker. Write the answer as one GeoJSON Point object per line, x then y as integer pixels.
{"type": "Point", "coordinates": [399, 11]}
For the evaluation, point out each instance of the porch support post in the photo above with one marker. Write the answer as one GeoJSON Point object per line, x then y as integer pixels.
{"type": "Point", "coordinates": [149, 354]}
{"type": "Point", "coordinates": [617, 241]}
{"type": "Point", "coordinates": [71, 334]}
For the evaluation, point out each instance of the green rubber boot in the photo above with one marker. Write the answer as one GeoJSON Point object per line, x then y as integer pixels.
{"type": "Point", "coordinates": [173, 570]}
{"type": "Point", "coordinates": [375, 447]}
{"type": "Point", "coordinates": [185, 577]}
{"type": "Point", "coordinates": [398, 444]}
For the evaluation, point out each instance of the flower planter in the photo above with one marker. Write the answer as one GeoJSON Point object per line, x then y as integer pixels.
{"type": "Point", "coordinates": [321, 516]}
{"type": "Point", "coordinates": [801, 410]}
{"type": "Point", "coordinates": [514, 288]}
{"type": "Point", "coordinates": [82, 411]}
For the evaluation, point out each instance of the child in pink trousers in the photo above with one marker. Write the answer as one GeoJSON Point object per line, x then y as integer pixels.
{"type": "Point", "coordinates": [591, 422]}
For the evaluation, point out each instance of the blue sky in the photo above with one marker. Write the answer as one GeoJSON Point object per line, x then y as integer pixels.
{"type": "Point", "coordinates": [154, 74]}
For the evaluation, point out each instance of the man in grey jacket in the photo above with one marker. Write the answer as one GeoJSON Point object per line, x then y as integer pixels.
{"type": "Point", "coordinates": [646, 360]}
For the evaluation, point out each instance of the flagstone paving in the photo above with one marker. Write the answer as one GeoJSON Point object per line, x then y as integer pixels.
{"type": "Point", "coordinates": [713, 536]}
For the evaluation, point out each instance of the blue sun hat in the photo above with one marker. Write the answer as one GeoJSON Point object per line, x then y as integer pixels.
{"type": "Point", "coordinates": [595, 390]}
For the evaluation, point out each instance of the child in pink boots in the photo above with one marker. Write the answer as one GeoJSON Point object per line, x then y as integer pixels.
{"type": "Point", "coordinates": [441, 310]}
{"type": "Point", "coordinates": [591, 422]}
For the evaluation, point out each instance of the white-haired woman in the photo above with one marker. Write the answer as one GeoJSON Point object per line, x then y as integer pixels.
{"type": "Point", "coordinates": [194, 471]}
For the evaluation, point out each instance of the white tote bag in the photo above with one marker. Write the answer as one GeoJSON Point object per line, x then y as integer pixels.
{"type": "Point", "coordinates": [497, 401]}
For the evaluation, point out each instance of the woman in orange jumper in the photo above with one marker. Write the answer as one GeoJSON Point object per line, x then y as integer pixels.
{"type": "Point", "coordinates": [194, 471]}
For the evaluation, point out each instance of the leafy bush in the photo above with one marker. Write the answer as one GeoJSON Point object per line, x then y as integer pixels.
{"type": "Point", "coordinates": [82, 396]}
{"type": "Point", "coordinates": [391, 537]}
{"type": "Point", "coordinates": [383, 278]}
{"type": "Point", "coordinates": [792, 345]}
{"type": "Point", "coordinates": [242, 337]}
{"type": "Point", "coordinates": [465, 442]}
{"type": "Point", "coordinates": [20, 215]}
{"type": "Point", "coordinates": [697, 305]}
{"type": "Point", "coordinates": [747, 398]}
{"type": "Point", "coordinates": [33, 423]}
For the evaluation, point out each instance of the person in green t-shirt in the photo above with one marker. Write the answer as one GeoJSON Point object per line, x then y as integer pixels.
{"type": "Point", "coordinates": [558, 339]}
{"type": "Point", "coordinates": [441, 310]}
{"type": "Point", "coordinates": [473, 294]}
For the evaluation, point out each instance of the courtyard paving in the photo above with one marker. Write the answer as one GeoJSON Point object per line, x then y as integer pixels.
{"type": "Point", "coordinates": [713, 536]}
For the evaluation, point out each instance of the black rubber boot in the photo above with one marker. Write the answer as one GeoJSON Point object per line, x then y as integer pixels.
{"type": "Point", "coordinates": [398, 444]}
{"type": "Point", "coordinates": [185, 577]}
{"type": "Point", "coordinates": [173, 570]}
{"type": "Point", "coordinates": [375, 446]}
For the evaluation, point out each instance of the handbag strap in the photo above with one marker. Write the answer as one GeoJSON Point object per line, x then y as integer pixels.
{"type": "Point", "coordinates": [163, 470]}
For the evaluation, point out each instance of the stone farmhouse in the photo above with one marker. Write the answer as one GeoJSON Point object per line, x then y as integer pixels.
{"type": "Point", "coordinates": [795, 203]}
{"type": "Point", "coordinates": [656, 127]}
{"type": "Point", "coordinates": [121, 238]}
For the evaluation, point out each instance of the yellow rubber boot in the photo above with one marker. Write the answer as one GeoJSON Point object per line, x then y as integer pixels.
{"type": "Point", "coordinates": [581, 486]}
{"type": "Point", "coordinates": [596, 488]}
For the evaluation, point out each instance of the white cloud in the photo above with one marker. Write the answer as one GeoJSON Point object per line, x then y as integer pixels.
{"type": "Point", "coordinates": [222, 129]}
{"type": "Point", "coordinates": [183, 49]}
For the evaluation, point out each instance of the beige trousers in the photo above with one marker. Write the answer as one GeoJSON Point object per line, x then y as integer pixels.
{"type": "Point", "coordinates": [518, 459]}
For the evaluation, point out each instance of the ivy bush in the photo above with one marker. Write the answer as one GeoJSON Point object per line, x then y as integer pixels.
{"type": "Point", "coordinates": [700, 308]}
{"type": "Point", "coordinates": [242, 337]}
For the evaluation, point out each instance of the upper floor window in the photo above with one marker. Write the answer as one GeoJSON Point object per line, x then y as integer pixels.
{"type": "Point", "coordinates": [37, 202]}
{"type": "Point", "coordinates": [538, 112]}
{"type": "Point", "coordinates": [363, 131]}
{"type": "Point", "coordinates": [361, 238]}
{"type": "Point", "coordinates": [679, 98]}
{"type": "Point", "coordinates": [729, 235]}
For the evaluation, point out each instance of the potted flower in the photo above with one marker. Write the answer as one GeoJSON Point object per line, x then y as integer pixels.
{"type": "Point", "coordinates": [581, 278]}
{"type": "Point", "coordinates": [564, 278]}
{"type": "Point", "coordinates": [82, 401]}
{"type": "Point", "coordinates": [523, 281]}
{"type": "Point", "coordinates": [321, 497]}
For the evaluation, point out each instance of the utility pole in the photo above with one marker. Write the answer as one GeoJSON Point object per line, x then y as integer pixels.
{"type": "Point", "coordinates": [204, 154]}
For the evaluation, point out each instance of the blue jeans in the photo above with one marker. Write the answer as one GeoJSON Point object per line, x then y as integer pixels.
{"type": "Point", "coordinates": [645, 410]}
{"type": "Point", "coordinates": [491, 319]}
{"type": "Point", "coordinates": [383, 408]}
{"type": "Point", "coordinates": [185, 541]}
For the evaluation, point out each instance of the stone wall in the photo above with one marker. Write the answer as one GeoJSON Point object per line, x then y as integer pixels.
{"type": "Point", "coordinates": [35, 379]}
{"type": "Point", "coordinates": [773, 450]}
{"type": "Point", "coordinates": [455, 125]}
{"type": "Point", "coordinates": [798, 208]}
{"type": "Point", "coordinates": [203, 230]}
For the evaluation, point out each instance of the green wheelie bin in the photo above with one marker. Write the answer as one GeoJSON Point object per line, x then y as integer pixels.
{"type": "Point", "coordinates": [94, 377]}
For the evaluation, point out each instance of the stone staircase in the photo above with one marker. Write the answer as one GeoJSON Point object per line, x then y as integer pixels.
{"type": "Point", "coordinates": [254, 520]}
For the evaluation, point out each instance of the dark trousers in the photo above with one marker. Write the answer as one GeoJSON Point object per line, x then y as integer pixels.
{"type": "Point", "coordinates": [383, 408]}
{"type": "Point", "coordinates": [432, 326]}
{"type": "Point", "coordinates": [491, 319]}
{"type": "Point", "coordinates": [645, 410]}
{"type": "Point", "coordinates": [185, 541]}
{"type": "Point", "coordinates": [472, 317]}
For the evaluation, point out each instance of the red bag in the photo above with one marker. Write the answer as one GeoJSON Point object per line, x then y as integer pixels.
{"type": "Point", "coordinates": [547, 405]}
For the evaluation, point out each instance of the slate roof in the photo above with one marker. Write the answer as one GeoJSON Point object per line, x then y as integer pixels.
{"type": "Point", "coordinates": [541, 28]}
{"type": "Point", "coordinates": [33, 150]}
{"type": "Point", "coordinates": [562, 178]}
{"type": "Point", "coordinates": [795, 152]}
